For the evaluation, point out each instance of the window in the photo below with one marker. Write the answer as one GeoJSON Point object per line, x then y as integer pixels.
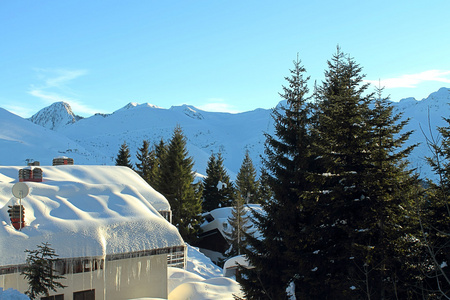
{"type": "Point", "coordinates": [209, 218]}
{"type": "Point", "coordinates": [84, 295]}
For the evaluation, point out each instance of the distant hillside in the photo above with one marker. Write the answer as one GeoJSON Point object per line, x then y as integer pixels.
{"type": "Point", "coordinates": [96, 140]}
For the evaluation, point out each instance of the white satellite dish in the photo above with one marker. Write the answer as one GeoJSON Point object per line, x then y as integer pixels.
{"type": "Point", "coordinates": [20, 190]}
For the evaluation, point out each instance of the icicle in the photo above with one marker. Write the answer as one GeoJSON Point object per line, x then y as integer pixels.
{"type": "Point", "coordinates": [118, 277]}
{"type": "Point", "coordinates": [148, 266]}
{"type": "Point", "coordinates": [104, 276]}
{"type": "Point", "coordinates": [139, 270]}
{"type": "Point", "coordinates": [91, 268]}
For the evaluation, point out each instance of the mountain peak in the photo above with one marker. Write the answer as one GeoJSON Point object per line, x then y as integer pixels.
{"type": "Point", "coordinates": [442, 93]}
{"type": "Point", "coordinates": [189, 110]}
{"type": "Point", "coordinates": [55, 116]}
{"type": "Point", "coordinates": [129, 105]}
{"type": "Point", "coordinates": [132, 105]}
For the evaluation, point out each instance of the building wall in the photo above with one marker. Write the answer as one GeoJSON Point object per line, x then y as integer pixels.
{"type": "Point", "coordinates": [119, 279]}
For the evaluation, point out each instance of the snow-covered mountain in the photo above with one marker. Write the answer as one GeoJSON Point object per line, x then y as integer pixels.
{"type": "Point", "coordinates": [206, 132]}
{"type": "Point", "coordinates": [96, 139]}
{"type": "Point", "coordinates": [55, 116]}
{"type": "Point", "coordinates": [22, 141]}
{"type": "Point", "coordinates": [424, 118]}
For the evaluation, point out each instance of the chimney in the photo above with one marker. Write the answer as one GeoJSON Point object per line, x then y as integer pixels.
{"type": "Point", "coordinates": [17, 216]}
{"type": "Point", "coordinates": [30, 174]}
{"type": "Point", "coordinates": [62, 160]}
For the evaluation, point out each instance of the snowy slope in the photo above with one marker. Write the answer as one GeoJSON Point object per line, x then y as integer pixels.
{"type": "Point", "coordinates": [84, 211]}
{"type": "Point", "coordinates": [20, 140]}
{"type": "Point", "coordinates": [202, 280]}
{"type": "Point", "coordinates": [97, 139]}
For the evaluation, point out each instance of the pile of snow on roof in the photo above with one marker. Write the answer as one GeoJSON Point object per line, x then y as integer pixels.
{"type": "Point", "coordinates": [84, 211]}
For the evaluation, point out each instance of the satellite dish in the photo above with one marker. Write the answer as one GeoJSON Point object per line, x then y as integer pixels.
{"type": "Point", "coordinates": [20, 190]}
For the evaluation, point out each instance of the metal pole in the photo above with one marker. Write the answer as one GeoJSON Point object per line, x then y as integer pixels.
{"type": "Point", "coordinates": [20, 218]}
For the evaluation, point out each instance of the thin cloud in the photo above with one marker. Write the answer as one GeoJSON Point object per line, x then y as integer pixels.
{"type": "Point", "coordinates": [412, 80]}
{"type": "Point", "coordinates": [47, 97]}
{"type": "Point", "coordinates": [64, 76]}
{"type": "Point", "coordinates": [218, 105]}
{"type": "Point", "coordinates": [54, 87]}
{"type": "Point", "coordinates": [50, 98]}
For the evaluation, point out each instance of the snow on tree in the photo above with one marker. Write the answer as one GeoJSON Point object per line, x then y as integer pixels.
{"type": "Point", "coordinates": [338, 224]}
{"type": "Point", "coordinates": [360, 190]}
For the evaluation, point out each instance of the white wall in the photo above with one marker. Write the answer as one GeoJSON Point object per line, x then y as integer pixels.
{"type": "Point", "coordinates": [120, 279]}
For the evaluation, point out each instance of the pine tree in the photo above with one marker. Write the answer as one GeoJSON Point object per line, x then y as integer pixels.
{"type": "Point", "coordinates": [385, 245]}
{"type": "Point", "coordinates": [240, 226]}
{"type": "Point", "coordinates": [340, 133]}
{"type": "Point", "coordinates": [177, 185]}
{"type": "Point", "coordinates": [40, 273]}
{"type": "Point", "coordinates": [157, 157]}
{"type": "Point", "coordinates": [143, 167]}
{"type": "Point", "coordinates": [246, 184]}
{"type": "Point", "coordinates": [217, 188]}
{"type": "Point", "coordinates": [359, 191]}
{"type": "Point", "coordinates": [123, 157]}
{"type": "Point", "coordinates": [287, 160]}
{"type": "Point", "coordinates": [264, 193]}
{"type": "Point", "coordinates": [435, 220]}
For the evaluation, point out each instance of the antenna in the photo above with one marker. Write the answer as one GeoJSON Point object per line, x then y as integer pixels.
{"type": "Point", "coordinates": [20, 190]}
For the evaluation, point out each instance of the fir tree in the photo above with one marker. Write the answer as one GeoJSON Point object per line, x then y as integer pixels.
{"type": "Point", "coordinates": [217, 188]}
{"type": "Point", "coordinates": [177, 185]}
{"type": "Point", "coordinates": [246, 184]}
{"type": "Point", "coordinates": [387, 217]}
{"type": "Point", "coordinates": [240, 226]}
{"type": "Point", "coordinates": [264, 193]}
{"type": "Point", "coordinates": [157, 157]}
{"type": "Point", "coordinates": [340, 133]}
{"type": "Point", "coordinates": [123, 157]}
{"type": "Point", "coordinates": [143, 167]}
{"type": "Point", "coordinates": [288, 161]}
{"type": "Point", "coordinates": [359, 191]}
{"type": "Point", "coordinates": [435, 220]}
{"type": "Point", "coordinates": [40, 273]}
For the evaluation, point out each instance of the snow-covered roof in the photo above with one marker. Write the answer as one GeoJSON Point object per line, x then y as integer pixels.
{"type": "Point", "coordinates": [235, 262]}
{"type": "Point", "coordinates": [84, 211]}
{"type": "Point", "coordinates": [218, 218]}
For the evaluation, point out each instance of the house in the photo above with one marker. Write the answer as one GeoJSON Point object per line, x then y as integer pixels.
{"type": "Point", "coordinates": [232, 265]}
{"type": "Point", "coordinates": [215, 228]}
{"type": "Point", "coordinates": [110, 229]}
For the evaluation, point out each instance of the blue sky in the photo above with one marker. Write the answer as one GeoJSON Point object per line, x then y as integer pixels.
{"type": "Point", "coordinates": [216, 55]}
